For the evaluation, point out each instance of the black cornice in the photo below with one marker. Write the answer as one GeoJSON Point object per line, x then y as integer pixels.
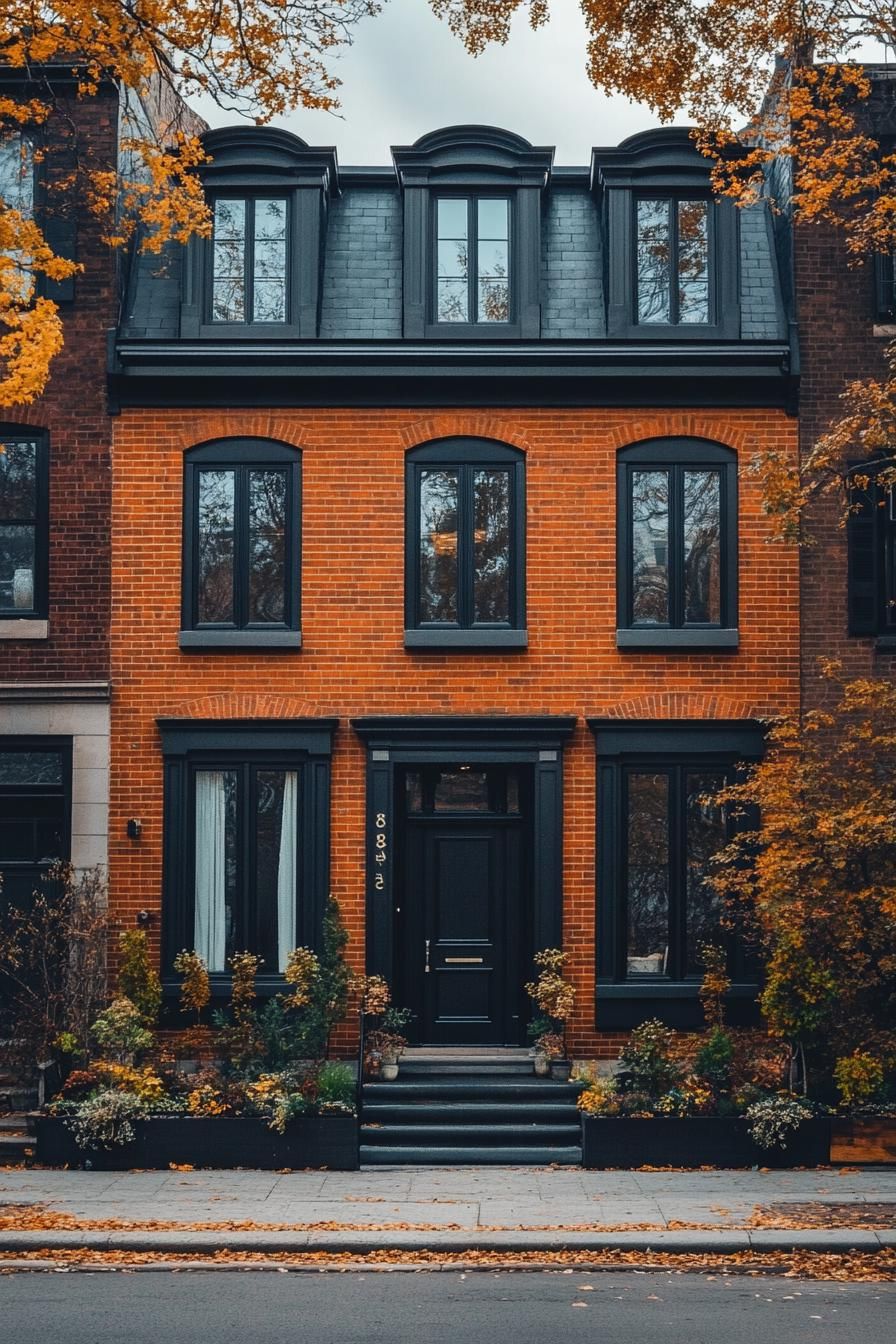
{"type": "Point", "coordinates": [249, 153]}
{"type": "Point", "coordinates": [470, 155]}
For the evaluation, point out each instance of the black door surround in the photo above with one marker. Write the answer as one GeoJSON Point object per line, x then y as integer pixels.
{"type": "Point", "coordinates": [397, 741]}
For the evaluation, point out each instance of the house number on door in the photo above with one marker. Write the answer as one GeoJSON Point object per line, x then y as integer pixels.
{"type": "Point", "coordinates": [380, 853]}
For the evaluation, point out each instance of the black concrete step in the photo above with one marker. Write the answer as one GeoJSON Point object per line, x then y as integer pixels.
{"type": "Point", "coordinates": [467, 1088]}
{"type": "Point", "coordinates": [466, 1135]}
{"type": "Point", "coordinates": [516, 1156]}
{"type": "Point", "coordinates": [481, 1112]}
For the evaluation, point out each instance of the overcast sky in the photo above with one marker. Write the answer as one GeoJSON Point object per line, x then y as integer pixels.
{"type": "Point", "coordinates": [406, 74]}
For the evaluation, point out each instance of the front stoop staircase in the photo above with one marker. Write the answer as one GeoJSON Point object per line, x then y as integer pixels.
{"type": "Point", "coordinates": [17, 1098]}
{"type": "Point", "coordinates": [469, 1107]}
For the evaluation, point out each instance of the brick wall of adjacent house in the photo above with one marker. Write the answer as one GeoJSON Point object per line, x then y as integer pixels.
{"type": "Point", "coordinates": [353, 661]}
{"type": "Point", "coordinates": [836, 307]}
{"type": "Point", "coordinates": [73, 411]}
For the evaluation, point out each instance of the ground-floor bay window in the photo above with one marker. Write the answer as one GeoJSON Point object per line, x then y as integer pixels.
{"type": "Point", "coordinates": [246, 838]}
{"type": "Point", "coordinates": [658, 831]}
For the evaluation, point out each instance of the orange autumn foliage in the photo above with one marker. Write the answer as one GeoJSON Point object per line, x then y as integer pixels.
{"type": "Point", "coordinates": [256, 58]}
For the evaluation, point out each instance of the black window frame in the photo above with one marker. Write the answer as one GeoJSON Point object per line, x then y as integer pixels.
{"type": "Point", "coordinates": [40, 607]}
{"type": "Point", "coordinates": [677, 456]}
{"type": "Point", "coordinates": [472, 200]}
{"type": "Point", "coordinates": [683, 746]}
{"type": "Point", "coordinates": [656, 164]}
{"type": "Point", "coordinates": [62, 745]}
{"type": "Point", "coordinates": [242, 456]}
{"type": "Point", "coordinates": [212, 326]}
{"type": "Point", "coordinates": [191, 745]}
{"type": "Point", "coordinates": [871, 552]}
{"type": "Point", "coordinates": [466, 456]}
{"type": "Point", "coordinates": [673, 199]}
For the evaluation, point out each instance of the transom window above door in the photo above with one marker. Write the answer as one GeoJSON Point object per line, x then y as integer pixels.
{"type": "Point", "coordinates": [434, 789]}
{"type": "Point", "coordinates": [241, 545]}
{"type": "Point", "coordinates": [473, 259]}
{"type": "Point", "coordinates": [465, 572]}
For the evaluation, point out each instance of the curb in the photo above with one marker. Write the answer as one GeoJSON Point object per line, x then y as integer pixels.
{"type": "Point", "coordinates": [675, 1243]}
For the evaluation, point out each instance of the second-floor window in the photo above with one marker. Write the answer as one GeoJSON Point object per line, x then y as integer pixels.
{"type": "Point", "coordinates": [871, 536]}
{"type": "Point", "coordinates": [465, 539]}
{"type": "Point", "coordinates": [24, 538]}
{"type": "Point", "coordinates": [672, 259]}
{"type": "Point", "coordinates": [472, 281]}
{"type": "Point", "coordinates": [677, 543]}
{"type": "Point", "coordinates": [250, 260]}
{"type": "Point", "coordinates": [241, 544]}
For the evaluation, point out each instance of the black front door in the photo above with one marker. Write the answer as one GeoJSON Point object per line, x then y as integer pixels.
{"type": "Point", "coordinates": [460, 921]}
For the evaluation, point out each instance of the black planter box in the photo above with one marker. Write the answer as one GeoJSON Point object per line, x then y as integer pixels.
{"type": "Point", "coordinates": [329, 1141]}
{"type": "Point", "coordinates": [698, 1141]}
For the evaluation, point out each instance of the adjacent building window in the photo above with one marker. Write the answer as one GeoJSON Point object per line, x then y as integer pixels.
{"type": "Point", "coordinates": [241, 544]}
{"type": "Point", "coordinates": [677, 544]}
{"type": "Point", "coordinates": [672, 259]}
{"type": "Point", "coordinates": [871, 536]}
{"type": "Point", "coordinates": [659, 832]}
{"type": "Point", "coordinates": [17, 174]}
{"type": "Point", "coordinates": [35, 779]}
{"type": "Point", "coordinates": [246, 837]}
{"type": "Point", "coordinates": [250, 260]}
{"type": "Point", "coordinates": [24, 532]}
{"type": "Point", "coordinates": [465, 526]}
{"type": "Point", "coordinates": [473, 259]}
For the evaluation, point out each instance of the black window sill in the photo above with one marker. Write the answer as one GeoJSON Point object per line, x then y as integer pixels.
{"type": "Point", "coordinates": [667, 989]}
{"type": "Point", "coordinates": [239, 640]}
{"type": "Point", "coordinates": [466, 639]}
{"type": "Point", "coordinates": [653, 639]}
{"type": "Point", "coordinates": [885, 644]}
{"type": "Point", "coordinates": [473, 331]}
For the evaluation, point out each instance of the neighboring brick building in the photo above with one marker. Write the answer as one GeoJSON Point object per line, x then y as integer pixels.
{"type": "Point", "coordinates": [55, 498]}
{"type": "Point", "coordinates": [376, 630]}
{"type": "Point", "coordinates": [846, 315]}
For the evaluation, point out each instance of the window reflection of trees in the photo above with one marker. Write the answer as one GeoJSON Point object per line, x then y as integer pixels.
{"type": "Point", "coordinates": [650, 547]}
{"type": "Point", "coordinates": [702, 547]}
{"type": "Point", "coordinates": [647, 866]}
{"type": "Point", "coordinates": [216, 546]}
{"type": "Point", "coordinates": [438, 545]}
{"type": "Point", "coordinates": [672, 260]}
{"type": "Point", "coordinates": [267, 546]}
{"type": "Point", "coordinates": [491, 546]}
{"type": "Point", "coordinates": [705, 836]}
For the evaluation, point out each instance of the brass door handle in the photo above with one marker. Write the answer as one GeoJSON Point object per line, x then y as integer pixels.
{"type": "Point", "coordinates": [426, 965]}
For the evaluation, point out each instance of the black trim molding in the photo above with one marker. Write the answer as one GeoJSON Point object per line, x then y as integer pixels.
{"type": "Point", "coordinates": [623, 1001]}
{"type": "Point", "coordinates": [253, 161]}
{"type": "Point", "coordinates": [303, 745]}
{"type": "Point", "coordinates": [472, 161]}
{"type": "Point", "coordinates": [499, 739]}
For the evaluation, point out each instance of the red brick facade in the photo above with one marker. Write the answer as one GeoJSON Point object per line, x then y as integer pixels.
{"type": "Point", "coordinates": [73, 411]}
{"type": "Point", "coordinates": [353, 661]}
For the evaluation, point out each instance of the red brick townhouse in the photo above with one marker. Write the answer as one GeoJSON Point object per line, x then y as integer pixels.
{"type": "Point", "coordinates": [55, 495]}
{"type": "Point", "coordinates": [439, 580]}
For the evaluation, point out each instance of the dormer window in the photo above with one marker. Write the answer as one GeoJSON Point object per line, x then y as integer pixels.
{"type": "Point", "coordinates": [258, 276]}
{"type": "Point", "coordinates": [250, 259]}
{"type": "Point", "coordinates": [672, 248]}
{"type": "Point", "coordinates": [472, 234]}
{"type": "Point", "coordinates": [472, 259]}
{"type": "Point", "coordinates": [672, 260]}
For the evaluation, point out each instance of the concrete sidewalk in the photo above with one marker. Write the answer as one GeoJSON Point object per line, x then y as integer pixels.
{"type": "Point", "coordinates": [456, 1209]}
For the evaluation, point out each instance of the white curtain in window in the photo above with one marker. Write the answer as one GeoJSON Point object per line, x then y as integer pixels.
{"type": "Point", "coordinates": [211, 823]}
{"type": "Point", "coordinates": [286, 870]}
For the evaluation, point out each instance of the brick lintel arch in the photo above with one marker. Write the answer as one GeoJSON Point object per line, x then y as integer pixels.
{"type": "Point", "coordinates": [479, 426]}
{"type": "Point", "coordinates": [219, 426]}
{"type": "Point", "coordinates": [240, 705]}
{"type": "Point", "coordinates": [685, 705]}
{"type": "Point", "coordinates": [672, 426]}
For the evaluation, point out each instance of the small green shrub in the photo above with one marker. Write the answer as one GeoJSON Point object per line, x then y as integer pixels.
{"type": "Point", "coordinates": [137, 978]}
{"type": "Point", "coordinates": [646, 1063]}
{"type": "Point", "coordinates": [714, 1059]}
{"type": "Point", "coordinates": [336, 1086]}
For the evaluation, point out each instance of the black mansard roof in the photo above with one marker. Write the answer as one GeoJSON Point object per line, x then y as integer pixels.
{"type": "Point", "coordinates": [357, 349]}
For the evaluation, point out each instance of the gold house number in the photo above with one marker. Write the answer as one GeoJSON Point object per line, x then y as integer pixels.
{"type": "Point", "coordinates": [379, 881]}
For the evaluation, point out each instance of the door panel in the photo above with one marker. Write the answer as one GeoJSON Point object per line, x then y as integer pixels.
{"type": "Point", "coordinates": [460, 936]}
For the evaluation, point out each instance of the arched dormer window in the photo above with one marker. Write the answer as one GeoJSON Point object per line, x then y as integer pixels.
{"type": "Point", "coordinates": [242, 546]}
{"type": "Point", "coordinates": [673, 252]}
{"type": "Point", "coordinates": [465, 545]}
{"type": "Point", "coordinates": [472, 233]}
{"type": "Point", "coordinates": [677, 545]}
{"type": "Point", "coordinates": [258, 276]}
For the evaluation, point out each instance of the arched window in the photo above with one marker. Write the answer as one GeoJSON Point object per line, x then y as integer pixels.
{"type": "Point", "coordinates": [241, 566]}
{"type": "Point", "coordinates": [677, 545]}
{"type": "Point", "coordinates": [465, 567]}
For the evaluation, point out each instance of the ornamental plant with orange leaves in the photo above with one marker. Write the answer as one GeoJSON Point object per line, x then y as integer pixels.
{"type": "Point", "coordinates": [817, 880]}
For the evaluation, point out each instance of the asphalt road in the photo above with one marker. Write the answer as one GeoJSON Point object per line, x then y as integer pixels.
{"type": "Point", "coordinates": [439, 1308]}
